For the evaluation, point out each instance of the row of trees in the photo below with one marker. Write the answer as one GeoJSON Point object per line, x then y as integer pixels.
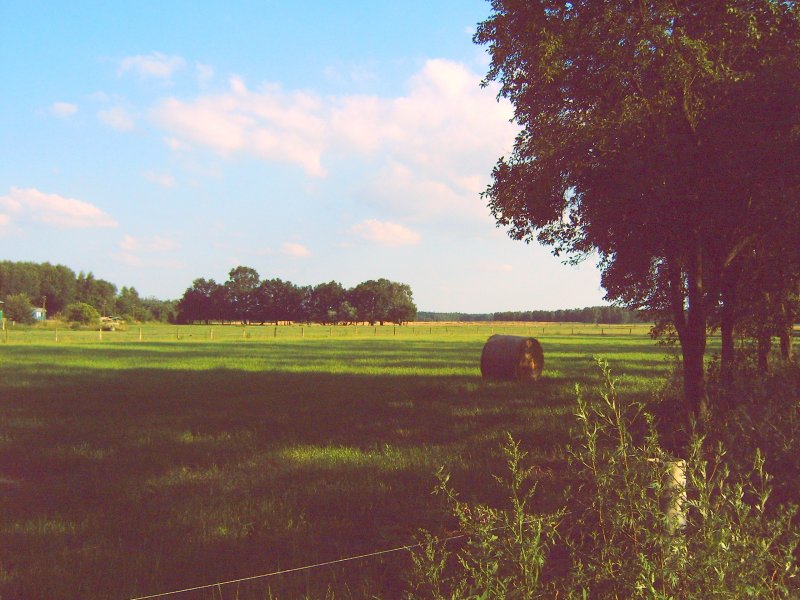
{"type": "Point", "coordinates": [245, 298]}
{"type": "Point", "coordinates": [55, 287]}
{"type": "Point", "coordinates": [591, 314]}
{"type": "Point", "coordinates": [663, 137]}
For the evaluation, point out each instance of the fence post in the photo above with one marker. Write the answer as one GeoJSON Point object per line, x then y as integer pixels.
{"type": "Point", "coordinates": [140, 334]}
{"type": "Point", "coordinates": [302, 332]}
{"type": "Point", "coordinates": [100, 331]}
{"type": "Point", "coordinates": [211, 333]}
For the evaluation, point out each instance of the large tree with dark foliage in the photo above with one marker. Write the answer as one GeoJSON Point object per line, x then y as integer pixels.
{"type": "Point", "coordinates": [382, 300]}
{"type": "Point", "coordinates": [241, 294]}
{"type": "Point", "coordinates": [662, 136]}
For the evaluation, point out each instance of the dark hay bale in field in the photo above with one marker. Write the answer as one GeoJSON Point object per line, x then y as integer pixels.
{"type": "Point", "coordinates": [512, 357]}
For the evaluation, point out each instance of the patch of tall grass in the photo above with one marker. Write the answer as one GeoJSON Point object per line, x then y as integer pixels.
{"type": "Point", "coordinates": [636, 521]}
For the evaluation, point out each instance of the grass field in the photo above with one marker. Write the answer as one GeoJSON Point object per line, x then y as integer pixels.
{"type": "Point", "coordinates": [130, 468]}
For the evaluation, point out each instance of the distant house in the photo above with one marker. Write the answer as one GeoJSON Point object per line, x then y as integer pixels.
{"type": "Point", "coordinates": [39, 314]}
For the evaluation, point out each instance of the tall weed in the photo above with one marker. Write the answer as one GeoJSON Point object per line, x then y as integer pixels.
{"type": "Point", "coordinates": [629, 528]}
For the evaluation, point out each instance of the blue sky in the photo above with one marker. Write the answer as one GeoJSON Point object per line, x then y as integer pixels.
{"type": "Point", "coordinates": [153, 143]}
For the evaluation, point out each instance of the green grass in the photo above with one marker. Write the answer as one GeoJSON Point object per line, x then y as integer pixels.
{"type": "Point", "coordinates": [130, 468]}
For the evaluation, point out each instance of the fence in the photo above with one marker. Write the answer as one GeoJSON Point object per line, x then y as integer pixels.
{"type": "Point", "coordinates": [162, 333]}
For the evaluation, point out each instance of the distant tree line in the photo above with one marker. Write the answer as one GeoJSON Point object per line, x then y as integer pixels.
{"type": "Point", "coordinates": [245, 298]}
{"type": "Point", "coordinates": [24, 285]}
{"type": "Point", "coordinates": [591, 314]}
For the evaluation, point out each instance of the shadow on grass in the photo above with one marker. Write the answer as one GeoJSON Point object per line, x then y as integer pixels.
{"type": "Point", "coordinates": [145, 468]}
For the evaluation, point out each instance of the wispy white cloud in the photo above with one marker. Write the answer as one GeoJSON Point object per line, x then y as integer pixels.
{"type": "Point", "coordinates": [496, 267]}
{"type": "Point", "coordinates": [294, 249]}
{"type": "Point", "coordinates": [385, 233]}
{"type": "Point", "coordinates": [99, 96]}
{"type": "Point", "coordinates": [162, 179]}
{"type": "Point", "coordinates": [53, 210]}
{"type": "Point", "coordinates": [267, 123]}
{"type": "Point", "coordinates": [204, 73]}
{"type": "Point", "coordinates": [63, 109]}
{"type": "Point", "coordinates": [174, 143]}
{"type": "Point", "coordinates": [117, 118]}
{"type": "Point", "coordinates": [153, 244]}
{"type": "Point", "coordinates": [349, 73]}
{"type": "Point", "coordinates": [155, 65]}
{"type": "Point", "coordinates": [129, 259]}
{"type": "Point", "coordinates": [435, 145]}
{"type": "Point", "coordinates": [148, 251]}
{"type": "Point", "coordinates": [430, 150]}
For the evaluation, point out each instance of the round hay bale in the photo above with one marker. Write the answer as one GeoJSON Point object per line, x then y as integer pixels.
{"type": "Point", "coordinates": [512, 357]}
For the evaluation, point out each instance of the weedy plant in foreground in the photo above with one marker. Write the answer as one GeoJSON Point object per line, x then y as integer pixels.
{"type": "Point", "coordinates": [628, 528]}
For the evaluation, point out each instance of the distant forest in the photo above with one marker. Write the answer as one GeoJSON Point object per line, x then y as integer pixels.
{"type": "Point", "coordinates": [591, 314]}
{"type": "Point", "coordinates": [54, 287]}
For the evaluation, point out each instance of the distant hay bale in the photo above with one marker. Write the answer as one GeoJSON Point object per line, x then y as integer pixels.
{"type": "Point", "coordinates": [512, 357]}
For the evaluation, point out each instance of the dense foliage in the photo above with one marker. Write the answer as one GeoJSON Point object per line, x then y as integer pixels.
{"type": "Point", "coordinates": [82, 313]}
{"type": "Point", "coordinates": [244, 298]}
{"type": "Point", "coordinates": [590, 314]}
{"type": "Point", "coordinates": [635, 522]}
{"type": "Point", "coordinates": [664, 137]}
{"type": "Point", "coordinates": [18, 308]}
{"type": "Point", "coordinates": [54, 287]}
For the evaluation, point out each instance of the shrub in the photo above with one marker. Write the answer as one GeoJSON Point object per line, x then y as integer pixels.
{"type": "Point", "coordinates": [82, 314]}
{"type": "Point", "coordinates": [18, 308]}
{"type": "Point", "coordinates": [504, 551]}
{"type": "Point", "coordinates": [626, 529]}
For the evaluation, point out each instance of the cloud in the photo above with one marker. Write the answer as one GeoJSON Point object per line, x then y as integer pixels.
{"type": "Point", "coordinates": [268, 123]}
{"type": "Point", "coordinates": [131, 260]}
{"type": "Point", "coordinates": [99, 96]}
{"type": "Point", "coordinates": [496, 267]}
{"type": "Point", "coordinates": [204, 73]}
{"type": "Point", "coordinates": [350, 73]}
{"type": "Point", "coordinates": [162, 179]}
{"type": "Point", "coordinates": [430, 150]}
{"type": "Point", "coordinates": [293, 249]}
{"type": "Point", "coordinates": [53, 210]}
{"type": "Point", "coordinates": [148, 251]}
{"type": "Point", "coordinates": [63, 109]}
{"type": "Point", "coordinates": [153, 244]}
{"type": "Point", "coordinates": [385, 233]}
{"type": "Point", "coordinates": [155, 64]}
{"type": "Point", "coordinates": [116, 118]}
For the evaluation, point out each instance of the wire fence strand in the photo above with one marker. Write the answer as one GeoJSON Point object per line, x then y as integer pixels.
{"type": "Point", "coordinates": [296, 569]}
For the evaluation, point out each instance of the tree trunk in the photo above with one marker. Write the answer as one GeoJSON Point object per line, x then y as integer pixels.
{"type": "Point", "coordinates": [689, 318]}
{"type": "Point", "coordinates": [764, 346]}
{"type": "Point", "coordinates": [730, 279]}
{"type": "Point", "coordinates": [786, 329]}
{"type": "Point", "coordinates": [785, 336]}
{"type": "Point", "coordinates": [693, 341]}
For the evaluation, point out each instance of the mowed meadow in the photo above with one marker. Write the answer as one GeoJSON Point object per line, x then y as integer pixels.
{"type": "Point", "coordinates": [139, 462]}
